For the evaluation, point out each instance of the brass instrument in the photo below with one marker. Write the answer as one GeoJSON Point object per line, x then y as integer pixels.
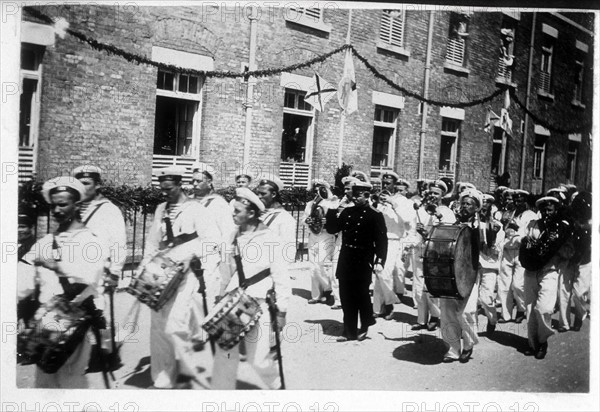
{"type": "Point", "coordinates": [316, 218]}
{"type": "Point", "coordinates": [317, 213]}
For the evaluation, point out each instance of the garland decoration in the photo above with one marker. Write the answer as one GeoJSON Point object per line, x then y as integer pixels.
{"type": "Point", "coordinates": [137, 59]}
{"type": "Point", "coordinates": [580, 128]}
{"type": "Point", "coordinates": [432, 102]}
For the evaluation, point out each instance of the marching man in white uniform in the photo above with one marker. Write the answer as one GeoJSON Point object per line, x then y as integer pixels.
{"type": "Point", "coordinates": [279, 220]}
{"type": "Point", "coordinates": [181, 230]}
{"type": "Point", "coordinates": [217, 210]}
{"type": "Point", "coordinates": [68, 262]}
{"type": "Point", "coordinates": [390, 205]}
{"type": "Point", "coordinates": [106, 221]}
{"type": "Point", "coordinates": [258, 248]}
{"type": "Point", "coordinates": [459, 316]}
{"type": "Point", "coordinates": [321, 245]}
{"type": "Point", "coordinates": [430, 213]}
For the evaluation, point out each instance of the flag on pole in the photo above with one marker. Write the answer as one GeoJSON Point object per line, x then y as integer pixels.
{"type": "Point", "coordinates": [347, 94]}
{"type": "Point", "coordinates": [491, 119]}
{"type": "Point", "coordinates": [319, 93]}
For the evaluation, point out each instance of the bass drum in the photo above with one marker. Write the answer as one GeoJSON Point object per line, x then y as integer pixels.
{"type": "Point", "coordinates": [448, 262]}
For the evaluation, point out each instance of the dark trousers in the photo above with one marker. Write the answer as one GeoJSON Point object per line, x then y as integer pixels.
{"type": "Point", "coordinates": [354, 276]}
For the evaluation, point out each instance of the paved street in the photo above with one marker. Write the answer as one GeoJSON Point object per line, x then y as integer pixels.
{"type": "Point", "coordinates": [392, 358]}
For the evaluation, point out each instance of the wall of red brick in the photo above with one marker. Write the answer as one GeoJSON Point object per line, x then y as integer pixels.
{"type": "Point", "coordinates": [100, 109]}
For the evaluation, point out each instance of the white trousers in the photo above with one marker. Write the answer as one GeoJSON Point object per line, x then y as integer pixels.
{"type": "Point", "coordinates": [581, 291]}
{"type": "Point", "coordinates": [566, 277]}
{"type": "Point", "coordinates": [459, 322]}
{"type": "Point", "coordinates": [320, 254]}
{"type": "Point", "coordinates": [72, 374]}
{"type": "Point", "coordinates": [171, 327]}
{"type": "Point", "coordinates": [426, 304]}
{"type": "Point", "coordinates": [259, 340]}
{"type": "Point", "coordinates": [487, 294]}
{"type": "Point", "coordinates": [540, 298]}
{"type": "Point", "coordinates": [383, 287]}
{"type": "Point", "coordinates": [511, 283]}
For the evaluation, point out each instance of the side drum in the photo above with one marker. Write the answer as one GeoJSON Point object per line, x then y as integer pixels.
{"type": "Point", "coordinates": [157, 282]}
{"type": "Point", "coordinates": [232, 317]}
{"type": "Point", "coordinates": [447, 262]}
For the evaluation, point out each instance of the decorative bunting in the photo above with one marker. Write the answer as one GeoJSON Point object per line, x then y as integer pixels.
{"type": "Point", "coordinates": [61, 26]}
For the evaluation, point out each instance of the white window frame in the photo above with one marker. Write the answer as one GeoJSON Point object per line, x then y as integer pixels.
{"type": "Point", "coordinates": [546, 62]}
{"type": "Point", "coordinates": [307, 16]}
{"type": "Point", "coordinates": [454, 150]}
{"type": "Point", "coordinates": [308, 150]}
{"type": "Point", "coordinates": [34, 121]}
{"type": "Point", "coordinates": [456, 47]}
{"type": "Point", "coordinates": [195, 97]}
{"type": "Point", "coordinates": [393, 125]}
{"type": "Point", "coordinates": [539, 156]}
{"type": "Point", "coordinates": [581, 54]}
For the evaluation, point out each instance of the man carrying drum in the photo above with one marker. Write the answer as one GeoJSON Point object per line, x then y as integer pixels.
{"type": "Point", "coordinates": [70, 263]}
{"type": "Point", "coordinates": [256, 262]}
{"type": "Point", "coordinates": [321, 244]}
{"type": "Point", "coordinates": [181, 230]}
{"type": "Point", "coordinates": [459, 316]}
{"type": "Point", "coordinates": [430, 213]}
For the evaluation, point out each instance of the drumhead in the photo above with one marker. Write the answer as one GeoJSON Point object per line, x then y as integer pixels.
{"type": "Point", "coordinates": [463, 263]}
{"type": "Point", "coordinates": [447, 265]}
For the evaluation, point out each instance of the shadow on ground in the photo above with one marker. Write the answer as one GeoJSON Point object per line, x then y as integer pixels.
{"type": "Point", "coordinates": [330, 327]}
{"type": "Point", "coordinates": [303, 293]}
{"type": "Point", "coordinates": [140, 376]}
{"type": "Point", "coordinates": [508, 339]}
{"type": "Point", "coordinates": [422, 349]}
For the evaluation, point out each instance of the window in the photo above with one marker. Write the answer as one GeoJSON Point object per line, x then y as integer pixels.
{"type": "Point", "coordinates": [539, 155]}
{"type": "Point", "coordinates": [456, 48]}
{"type": "Point", "coordinates": [499, 150]}
{"type": "Point", "coordinates": [392, 27]}
{"type": "Point", "coordinates": [176, 127]}
{"type": "Point", "coordinates": [572, 160]}
{"type": "Point", "coordinates": [578, 81]}
{"type": "Point", "coordinates": [448, 145]}
{"type": "Point", "coordinates": [546, 67]}
{"type": "Point", "coordinates": [29, 109]}
{"type": "Point", "coordinates": [507, 49]}
{"type": "Point", "coordinates": [297, 127]}
{"type": "Point", "coordinates": [307, 16]}
{"type": "Point", "coordinates": [549, 37]}
{"type": "Point", "coordinates": [384, 136]}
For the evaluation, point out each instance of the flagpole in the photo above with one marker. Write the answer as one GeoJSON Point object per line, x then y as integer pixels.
{"type": "Point", "coordinates": [343, 115]}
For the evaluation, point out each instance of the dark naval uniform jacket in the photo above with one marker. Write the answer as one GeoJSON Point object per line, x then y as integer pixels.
{"type": "Point", "coordinates": [364, 240]}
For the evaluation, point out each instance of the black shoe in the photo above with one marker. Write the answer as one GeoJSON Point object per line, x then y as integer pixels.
{"type": "Point", "coordinates": [433, 324]}
{"type": "Point", "coordinates": [562, 329]}
{"type": "Point", "coordinates": [344, 339]}
{"type": "Point", "coordinates": [541, 352]}
{"type": "Point", "coordinates": [336, 307]}
{"type": "Point", "coordinates": [530, 352]}
{"type": "Point", "coordinates": [418, 326]}
{"type": "Point", "coordinates": [465, 355]}
{"type": "Point", "coordinates": [577, 325]}
{"type": "Point", "coordinates": [449, 359]}
{"type": "Point", "coordinates": [501, 319]}
{"type": "Point", "coordinates": [490, 329]}
{"type": "Point", "coordinates": [520, 317]}
{"type": "Point", "coordinates": [362, 336]}
{"type": "Point", "coordinates": [371, 322]}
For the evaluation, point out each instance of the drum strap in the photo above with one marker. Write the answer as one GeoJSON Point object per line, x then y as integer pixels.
{"type": "Point", "coordinates": [246, 283]}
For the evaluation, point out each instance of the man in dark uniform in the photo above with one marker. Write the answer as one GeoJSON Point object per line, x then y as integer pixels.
{"type": "Point", "coordinates": [364, 250]}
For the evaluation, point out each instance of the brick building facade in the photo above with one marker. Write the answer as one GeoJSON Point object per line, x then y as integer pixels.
{"type": "Point", "coordinates": [82, 105]}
